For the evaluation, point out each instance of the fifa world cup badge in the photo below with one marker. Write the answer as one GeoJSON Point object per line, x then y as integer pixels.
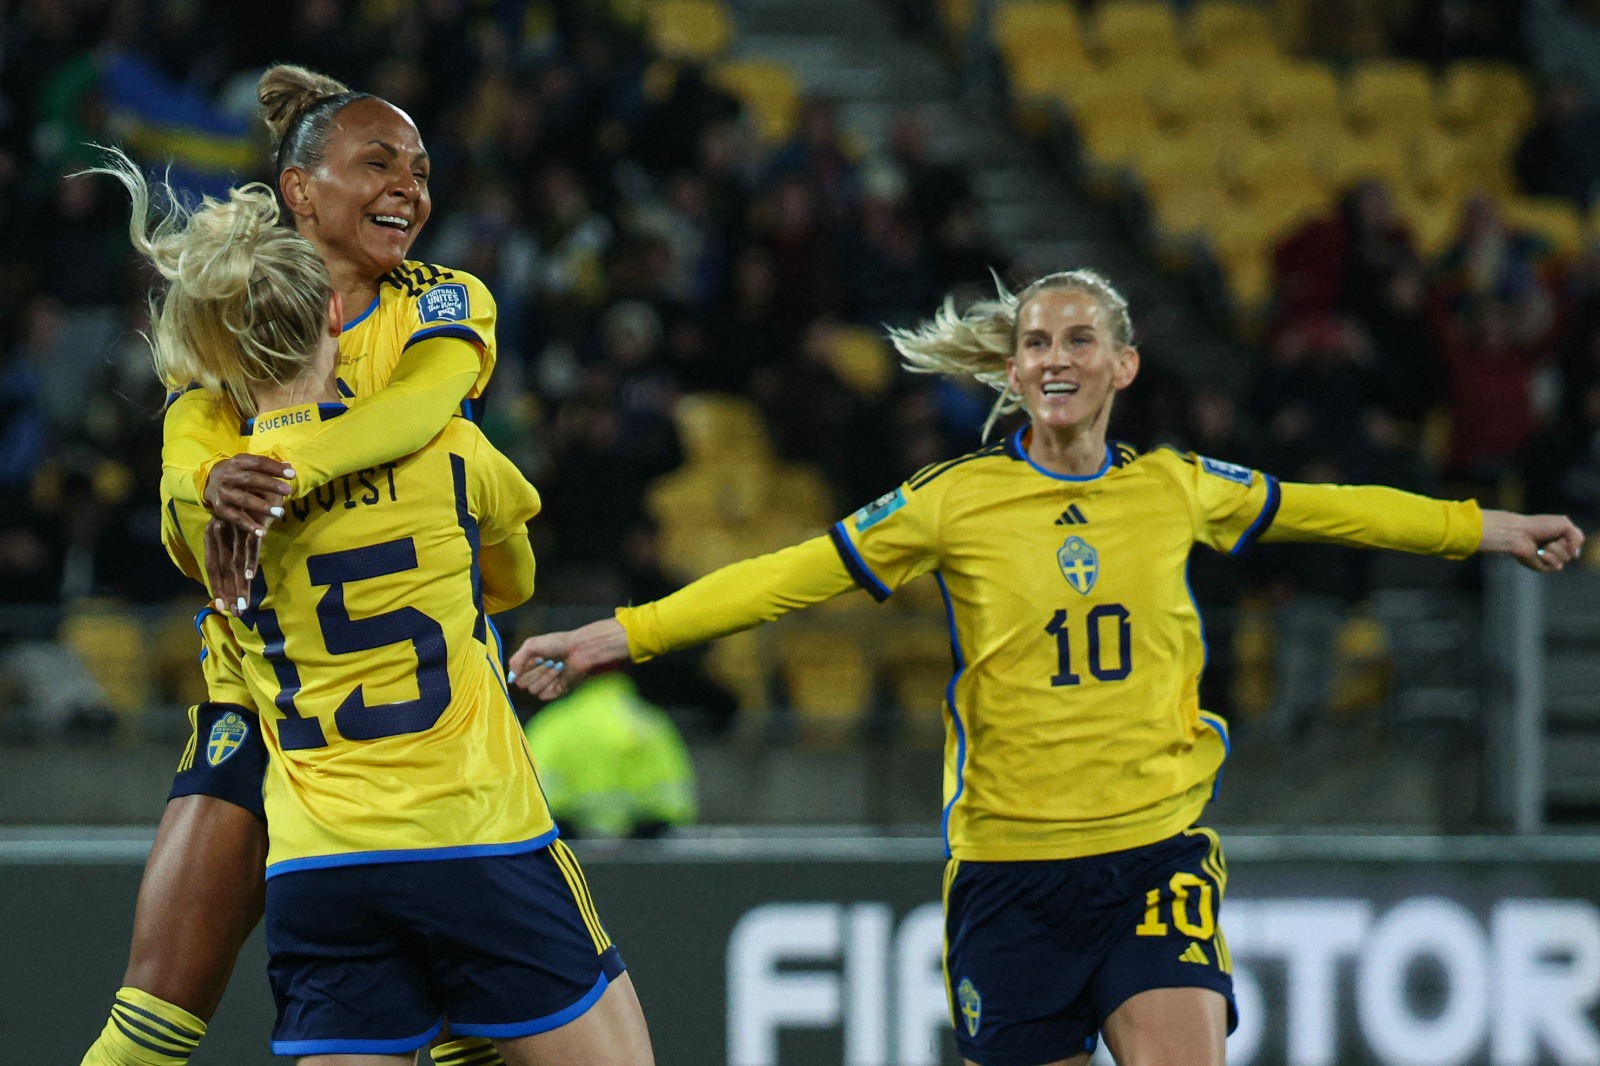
{"type": "Point", "coordinates": [227, 734]}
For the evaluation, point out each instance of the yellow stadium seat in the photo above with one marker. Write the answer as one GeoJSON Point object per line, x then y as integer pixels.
{"type": "Point", "coordinates": [1433, 222]}
{"type": "Point", "coordinates": [1041, 24]}
{"type": "Point", "coordinates": [1110, 98]}
{"type": "Point", "coordinates": [1165, 163]}
{"type": "Point", "coordinates": [1223, 29]}
{"type": "Point", "coordinates": [1442, 164]}
{"type": "Point", "coordinates": [768, 91]}
{"type": "Point", "coordinates": [1145, 29]}
{"type": "Point", "coordinates": [1182, 213]}
{"type": "Point", "coordinates": [696, 30]}
{"type": "Point", "coordinates": [1110, 145]}
{"type": "Point", "coordinates": [1263, 167]}
{"type": "Point", "coordinates": [1390, 93]}
{"type": "Point", "coordinates": [111, 644]}
{"type": "Point", "coordinates": [828, 675]}
{"type": "Point", "coordinates": [1294, 95]}
{"type": "Point", "coordinates": [860, 357]}
{"type": "Point", "coordinates": [1350, 160]}
{"type": "Point", "coordinates": [1184, 97]}
{"type": "Point", "coordinates": [1557, 221]}
{"type": "Point", "coordinates": [174, 655]}
{"type": "Point", "coordinates": [1476, 91]}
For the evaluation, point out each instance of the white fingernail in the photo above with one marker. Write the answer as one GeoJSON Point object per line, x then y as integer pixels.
{"type": "Point", "coordinates": [261, 532]}
{"type": "Point", "coordinates": [511, 677]}
{"type": "Point", "coordinates": [219, 605]}
{"type": "Point", "coordinates": [248, 574]}
{"type": "Point", "coordinates": [277, 512]}
{"type": "Point", "coordinates": [288, 473]}
{"type": "Point", "coordinates": [243, 604]}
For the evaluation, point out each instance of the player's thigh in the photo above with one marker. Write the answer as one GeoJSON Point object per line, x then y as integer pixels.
{"type": "Point", "coordinates": [1076, 1060]}
{"type": "Point", "coordinates": [357, 1060]}
{"type": "Point", "coordinates": [200, 896]}
{"type": "Point", "coordinates": [611, 1033]}
{"type": "Point", "coordinates": [1170, 1027]}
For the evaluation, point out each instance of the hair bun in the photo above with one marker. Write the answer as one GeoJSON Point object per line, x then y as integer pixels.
{"type": "Point", "coordinates": [286, 92]}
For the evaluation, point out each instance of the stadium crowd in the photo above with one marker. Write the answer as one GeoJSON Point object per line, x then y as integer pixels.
{"type": "Point", "coordinates": [644, 244]}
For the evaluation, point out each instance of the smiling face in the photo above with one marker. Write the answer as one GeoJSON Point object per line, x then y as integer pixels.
{"type": "Point", "coordinates": [1068, 364]}
{"type": "Point", "coordinates": [365, 202]}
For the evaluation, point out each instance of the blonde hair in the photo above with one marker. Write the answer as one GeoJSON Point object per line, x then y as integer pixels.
{"type": "Point", "coordinates": [979, 341]}
{"type": "Point", "coordinates": [298, 106]}
{"type": "Point", "coordinates": [245, 301]}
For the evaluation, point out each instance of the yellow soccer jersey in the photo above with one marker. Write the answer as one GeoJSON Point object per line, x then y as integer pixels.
{"type": "Point", "coordinates": [1074, 723]}
{"type": "Point", "coordinates": [373, 665]}
{"type": "Point", "coordinates": [416, 302]}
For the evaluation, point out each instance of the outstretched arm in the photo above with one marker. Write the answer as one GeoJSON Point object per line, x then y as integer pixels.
{"type": "Point", "coordinates": [739, 596]}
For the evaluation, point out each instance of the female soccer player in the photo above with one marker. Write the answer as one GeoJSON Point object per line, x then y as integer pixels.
{"type": "Point", "coordinates": [352, 174]}
{"type": "Point", "coordinates": [413, 868]}
{"type": "Point", "coordinates": [1081, 896]}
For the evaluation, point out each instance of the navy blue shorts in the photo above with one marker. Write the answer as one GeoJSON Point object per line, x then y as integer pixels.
{"type": "Point", "coordinates": [369, 959]}
{"type": "Point", "coordinates": [225, 757]}
{"type": "Point", "coordinates": [1040, 953]}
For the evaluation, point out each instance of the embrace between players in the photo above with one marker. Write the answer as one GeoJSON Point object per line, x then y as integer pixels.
{"type": "Point", "coordinates": [357, 774]}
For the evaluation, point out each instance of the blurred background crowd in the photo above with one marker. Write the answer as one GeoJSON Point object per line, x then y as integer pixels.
{"type": "Point", "coordinates": [1387, 213]}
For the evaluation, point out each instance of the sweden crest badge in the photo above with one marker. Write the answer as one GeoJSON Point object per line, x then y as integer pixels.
{"type": "Point", "coordinates": [971, 1006]}
{"type": "Point", "coordinates": [227, 734]}
{"type": "Point", "coordinates": [1080, 564]}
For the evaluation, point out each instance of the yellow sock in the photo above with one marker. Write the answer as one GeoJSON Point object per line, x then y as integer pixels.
{"type": "Point", "coordinates": [466, 1051]}
{"type": "Point", "coordinates": [145, 1031]}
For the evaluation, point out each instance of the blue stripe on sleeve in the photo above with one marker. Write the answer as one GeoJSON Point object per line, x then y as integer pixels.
{"type": "Point", "coordinates": [463, 332]}
{"type": "Point", "coordinates": [1269, 511]}
{"type": "Point", "coordinates": [856, 565]}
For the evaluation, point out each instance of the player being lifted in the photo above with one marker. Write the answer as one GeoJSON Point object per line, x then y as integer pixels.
{"type": "Point", "coordinates": [1081, 894]}
{"type": "Point", "coordinates": [414, 870]}
{"type": "Point", "coordinates": [352, 174]}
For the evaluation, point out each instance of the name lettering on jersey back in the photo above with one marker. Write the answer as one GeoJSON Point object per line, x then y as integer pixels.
{"type": "Point", "coordinates": [285, 418]}
{"type": "Point", "coordinates": [364, 488]}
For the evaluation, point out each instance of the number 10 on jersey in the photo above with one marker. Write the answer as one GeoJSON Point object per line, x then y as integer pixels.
{"type": "Point", "coordinates": [1108, 640]}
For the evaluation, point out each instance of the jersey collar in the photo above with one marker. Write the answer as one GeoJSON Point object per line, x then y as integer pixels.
{"type": "Point", "coordinates": [1020, 451]}
{"type": "Point", "coordinates": [363, 316]}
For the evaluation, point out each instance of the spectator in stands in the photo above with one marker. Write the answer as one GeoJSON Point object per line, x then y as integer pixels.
{"type": "Point", "coordinates": [1491, 371]}
{"type": "Point", "coordinates": [611, 763]}
{"type": "Point", "coordinates": [816, 154]}
{"type": "Point", "coordinates": [1560, 155]}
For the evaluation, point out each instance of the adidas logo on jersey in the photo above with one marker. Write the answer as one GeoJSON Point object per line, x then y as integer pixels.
{"type": "Point", "coordinates": [1195, 953]}
{"type": "Point", "coordinates": [1071, 517]}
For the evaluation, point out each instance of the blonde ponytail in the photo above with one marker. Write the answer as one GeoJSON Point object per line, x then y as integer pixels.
{"type": "Point", "coordinates": [245, 301]}
{"type": "Point", "coordinates": [978, 342]}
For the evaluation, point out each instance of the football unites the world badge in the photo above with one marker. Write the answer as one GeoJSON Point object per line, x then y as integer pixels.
{"type": "Point", "coordinates": [227, 734]}
{"type": "Point", "coordinates": [1080, 564]}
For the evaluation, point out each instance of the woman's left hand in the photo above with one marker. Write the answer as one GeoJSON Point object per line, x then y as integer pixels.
{"type": "Point", "coordinates": [1542, 542]}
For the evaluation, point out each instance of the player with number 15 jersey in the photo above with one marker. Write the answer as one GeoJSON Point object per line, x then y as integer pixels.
{"type": "Point", "coordinates": [368, 650]}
